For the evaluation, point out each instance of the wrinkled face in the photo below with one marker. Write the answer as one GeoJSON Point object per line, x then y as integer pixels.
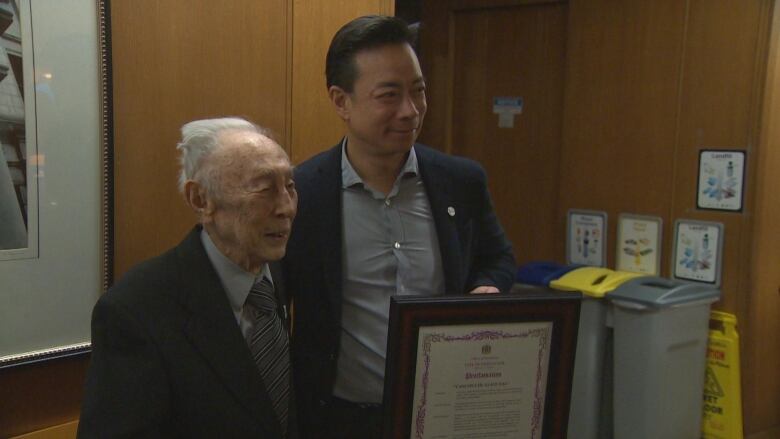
{"type": "Point", "coordinates": [385, 111]}
{"type": "Point", "coordinates": [255, 201]}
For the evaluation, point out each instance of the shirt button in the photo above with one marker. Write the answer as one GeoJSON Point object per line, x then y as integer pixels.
{"type": "Point", "coordinates": [397, 245]}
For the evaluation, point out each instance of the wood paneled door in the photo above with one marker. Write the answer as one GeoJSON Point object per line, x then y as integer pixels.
{"type": "Point", "coordinates": [477, 55]}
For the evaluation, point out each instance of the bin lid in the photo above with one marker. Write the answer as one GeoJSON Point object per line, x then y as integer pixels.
{"type": "Point", "coordinates": [658, 292]}
{"type": "Point", "coordinates": [593, 281]}
{"type": "Point", "coordinates": [542, 272]}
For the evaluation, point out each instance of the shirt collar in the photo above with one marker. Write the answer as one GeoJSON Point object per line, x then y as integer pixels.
{"type": "Point", "coordinates": [350, 177]}
{"type": "Point", "coordinates": [235, 280]}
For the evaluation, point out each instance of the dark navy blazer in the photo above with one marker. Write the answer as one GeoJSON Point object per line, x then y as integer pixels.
{"type": "Point", "coordinates": [169, 360]}
{"type": "Point", "coordinates": [474, 252]}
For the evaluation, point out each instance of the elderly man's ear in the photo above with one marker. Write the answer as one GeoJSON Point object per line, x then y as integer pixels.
{"type": "Point", "coordinates": [198, 199]}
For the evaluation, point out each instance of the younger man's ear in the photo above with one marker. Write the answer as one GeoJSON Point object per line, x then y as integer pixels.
{"type": "Point", "coordinates": [340, 100]}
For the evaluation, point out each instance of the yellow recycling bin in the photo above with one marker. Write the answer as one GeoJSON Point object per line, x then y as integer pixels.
{"type": "Point", "coordinates": [593, 281]}
{"type": "Point", "coordinates": [722, 410]}
{"type": "Point", "coordinates": [590, 412]}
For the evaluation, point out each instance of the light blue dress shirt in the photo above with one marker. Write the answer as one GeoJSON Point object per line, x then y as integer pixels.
{"type": "Point", "coordinates": [235, 280]}
{"type": "Point", "coordinates": [390, 247]}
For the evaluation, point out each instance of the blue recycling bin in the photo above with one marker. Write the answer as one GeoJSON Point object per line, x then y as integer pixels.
{"type": "Point", "coordinates": [542, 272]}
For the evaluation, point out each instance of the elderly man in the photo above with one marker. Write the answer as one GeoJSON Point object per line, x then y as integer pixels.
{"type": "Point", "coordinates": [380, 216]}
{"type": "Point", "coordinates": [194, 343]}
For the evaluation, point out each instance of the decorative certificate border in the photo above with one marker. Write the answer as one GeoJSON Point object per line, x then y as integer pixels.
{"type": "Point", "coordinates": [542, 335]}
{"type": "Point", "coordinates": [639, 244]}
{"type": "Point", "coordinates": [698, 251]}
{"type": "Point", "coordinates": [586, 237]}
{"type": "Point", "coordinates": [47, 300]}
{"type": "Point", "coordinates": [721, 181]}
{"type": "Point", "coordinates": [410, 315]}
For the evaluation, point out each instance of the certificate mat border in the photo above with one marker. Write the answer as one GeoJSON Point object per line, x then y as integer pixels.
{"type": "Point", "coordinates": [105, 150]}
{"type": "Point", "coordinates": [542, 336]}
{"type": "Point", "coordinates": [409, 313]}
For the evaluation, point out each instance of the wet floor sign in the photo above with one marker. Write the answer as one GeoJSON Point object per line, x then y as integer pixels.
{"type": "Point", "coordinates": [722, 417]}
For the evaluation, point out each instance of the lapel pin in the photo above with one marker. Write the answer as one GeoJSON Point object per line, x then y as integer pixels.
{"type": "Point", "coordinates": [451, 211]}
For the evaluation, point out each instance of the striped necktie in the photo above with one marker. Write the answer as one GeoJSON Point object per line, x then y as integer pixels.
{"type": "Point", "coordinates": [270, 346]}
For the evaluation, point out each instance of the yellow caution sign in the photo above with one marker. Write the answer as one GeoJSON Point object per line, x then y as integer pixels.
{"type": "Point", "coordinates": [722, 417]}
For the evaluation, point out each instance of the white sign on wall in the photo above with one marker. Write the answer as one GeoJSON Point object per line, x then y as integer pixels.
{"type": "Point", "coordinates": [639, 244]}
{"type": "Point", "coordinates": [586, 237]}
{"type": "Point", "coordinates": [506, 107]}
{"type": "Point", "coordinates": [698, 247]}
{"type": "Point", "coordinates": [721, 180]}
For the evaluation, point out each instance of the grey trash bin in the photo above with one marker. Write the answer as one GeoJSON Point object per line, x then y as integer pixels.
{"type": "Point", "coordinates": [590, 414]}
{"type": "Point", "coordinates": [660, 344]}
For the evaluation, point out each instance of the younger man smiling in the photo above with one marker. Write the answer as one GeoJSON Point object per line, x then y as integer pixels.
{"type": "Point", "coordinates": [378, 216]}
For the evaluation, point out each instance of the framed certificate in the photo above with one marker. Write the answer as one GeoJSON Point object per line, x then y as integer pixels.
{"type": "Point", "coordinates": [586, 238]}
{"type": "Point", "coordinates": [639, 244]}
{"type": "Point", "coordinates": [698, 250]}
{"type": "Point", "coordinates": [480, 366]}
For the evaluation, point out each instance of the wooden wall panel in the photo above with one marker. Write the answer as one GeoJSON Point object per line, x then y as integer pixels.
{"type": "Point", "coordinates": [647, 85]}
{"type": "Point", "coordinates": [719, 107]}
{"type": "Point", "coordinates": [315, 126]}
{"type": "Point", "coordinates": [760, 322]}
{"type": "Point", "coordinates": [473, 51]}
{"type": "Point", "coordinates": [434, 55]}
{"type": "Point", "coordinates": [620, 110]}
{"type": "Point", "coordinates": [436, 51]}
{"type": "Point", "coordinates": [721, 88]}
{"type": "Point", "coordinates": [650, 84]}
{"type": "Point", "coordinates": [518, 51]}
{"type": "Point", "coordinates": [39, 395]}
{"type": "Point", "coordinates": [175, 61]}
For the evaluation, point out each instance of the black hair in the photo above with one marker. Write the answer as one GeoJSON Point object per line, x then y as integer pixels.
{"type": "Point", "coordinates": [362, 33]}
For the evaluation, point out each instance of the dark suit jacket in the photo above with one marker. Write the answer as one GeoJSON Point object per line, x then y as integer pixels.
{"type": "Point", "coordinates": [474, 251]}
{"type": "Point", "coordinates": [169, 360]}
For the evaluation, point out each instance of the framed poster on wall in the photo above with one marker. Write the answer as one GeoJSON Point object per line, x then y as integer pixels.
{"type": "Point", "coordinates": [50, 279]}
{"type": "Point", "coordinates": [18, 146]}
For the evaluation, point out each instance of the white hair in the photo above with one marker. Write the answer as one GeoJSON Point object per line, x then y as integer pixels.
{"type": "Point", "coordinates": [199, 139]}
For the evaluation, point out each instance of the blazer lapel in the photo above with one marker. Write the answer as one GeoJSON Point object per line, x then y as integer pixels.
{"type": "Point", "coordinates": [439, 190]}
{"type": "Point", "coordinates": [329, 223]}
{"type": "Point", "coordinates": [213, 331]}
